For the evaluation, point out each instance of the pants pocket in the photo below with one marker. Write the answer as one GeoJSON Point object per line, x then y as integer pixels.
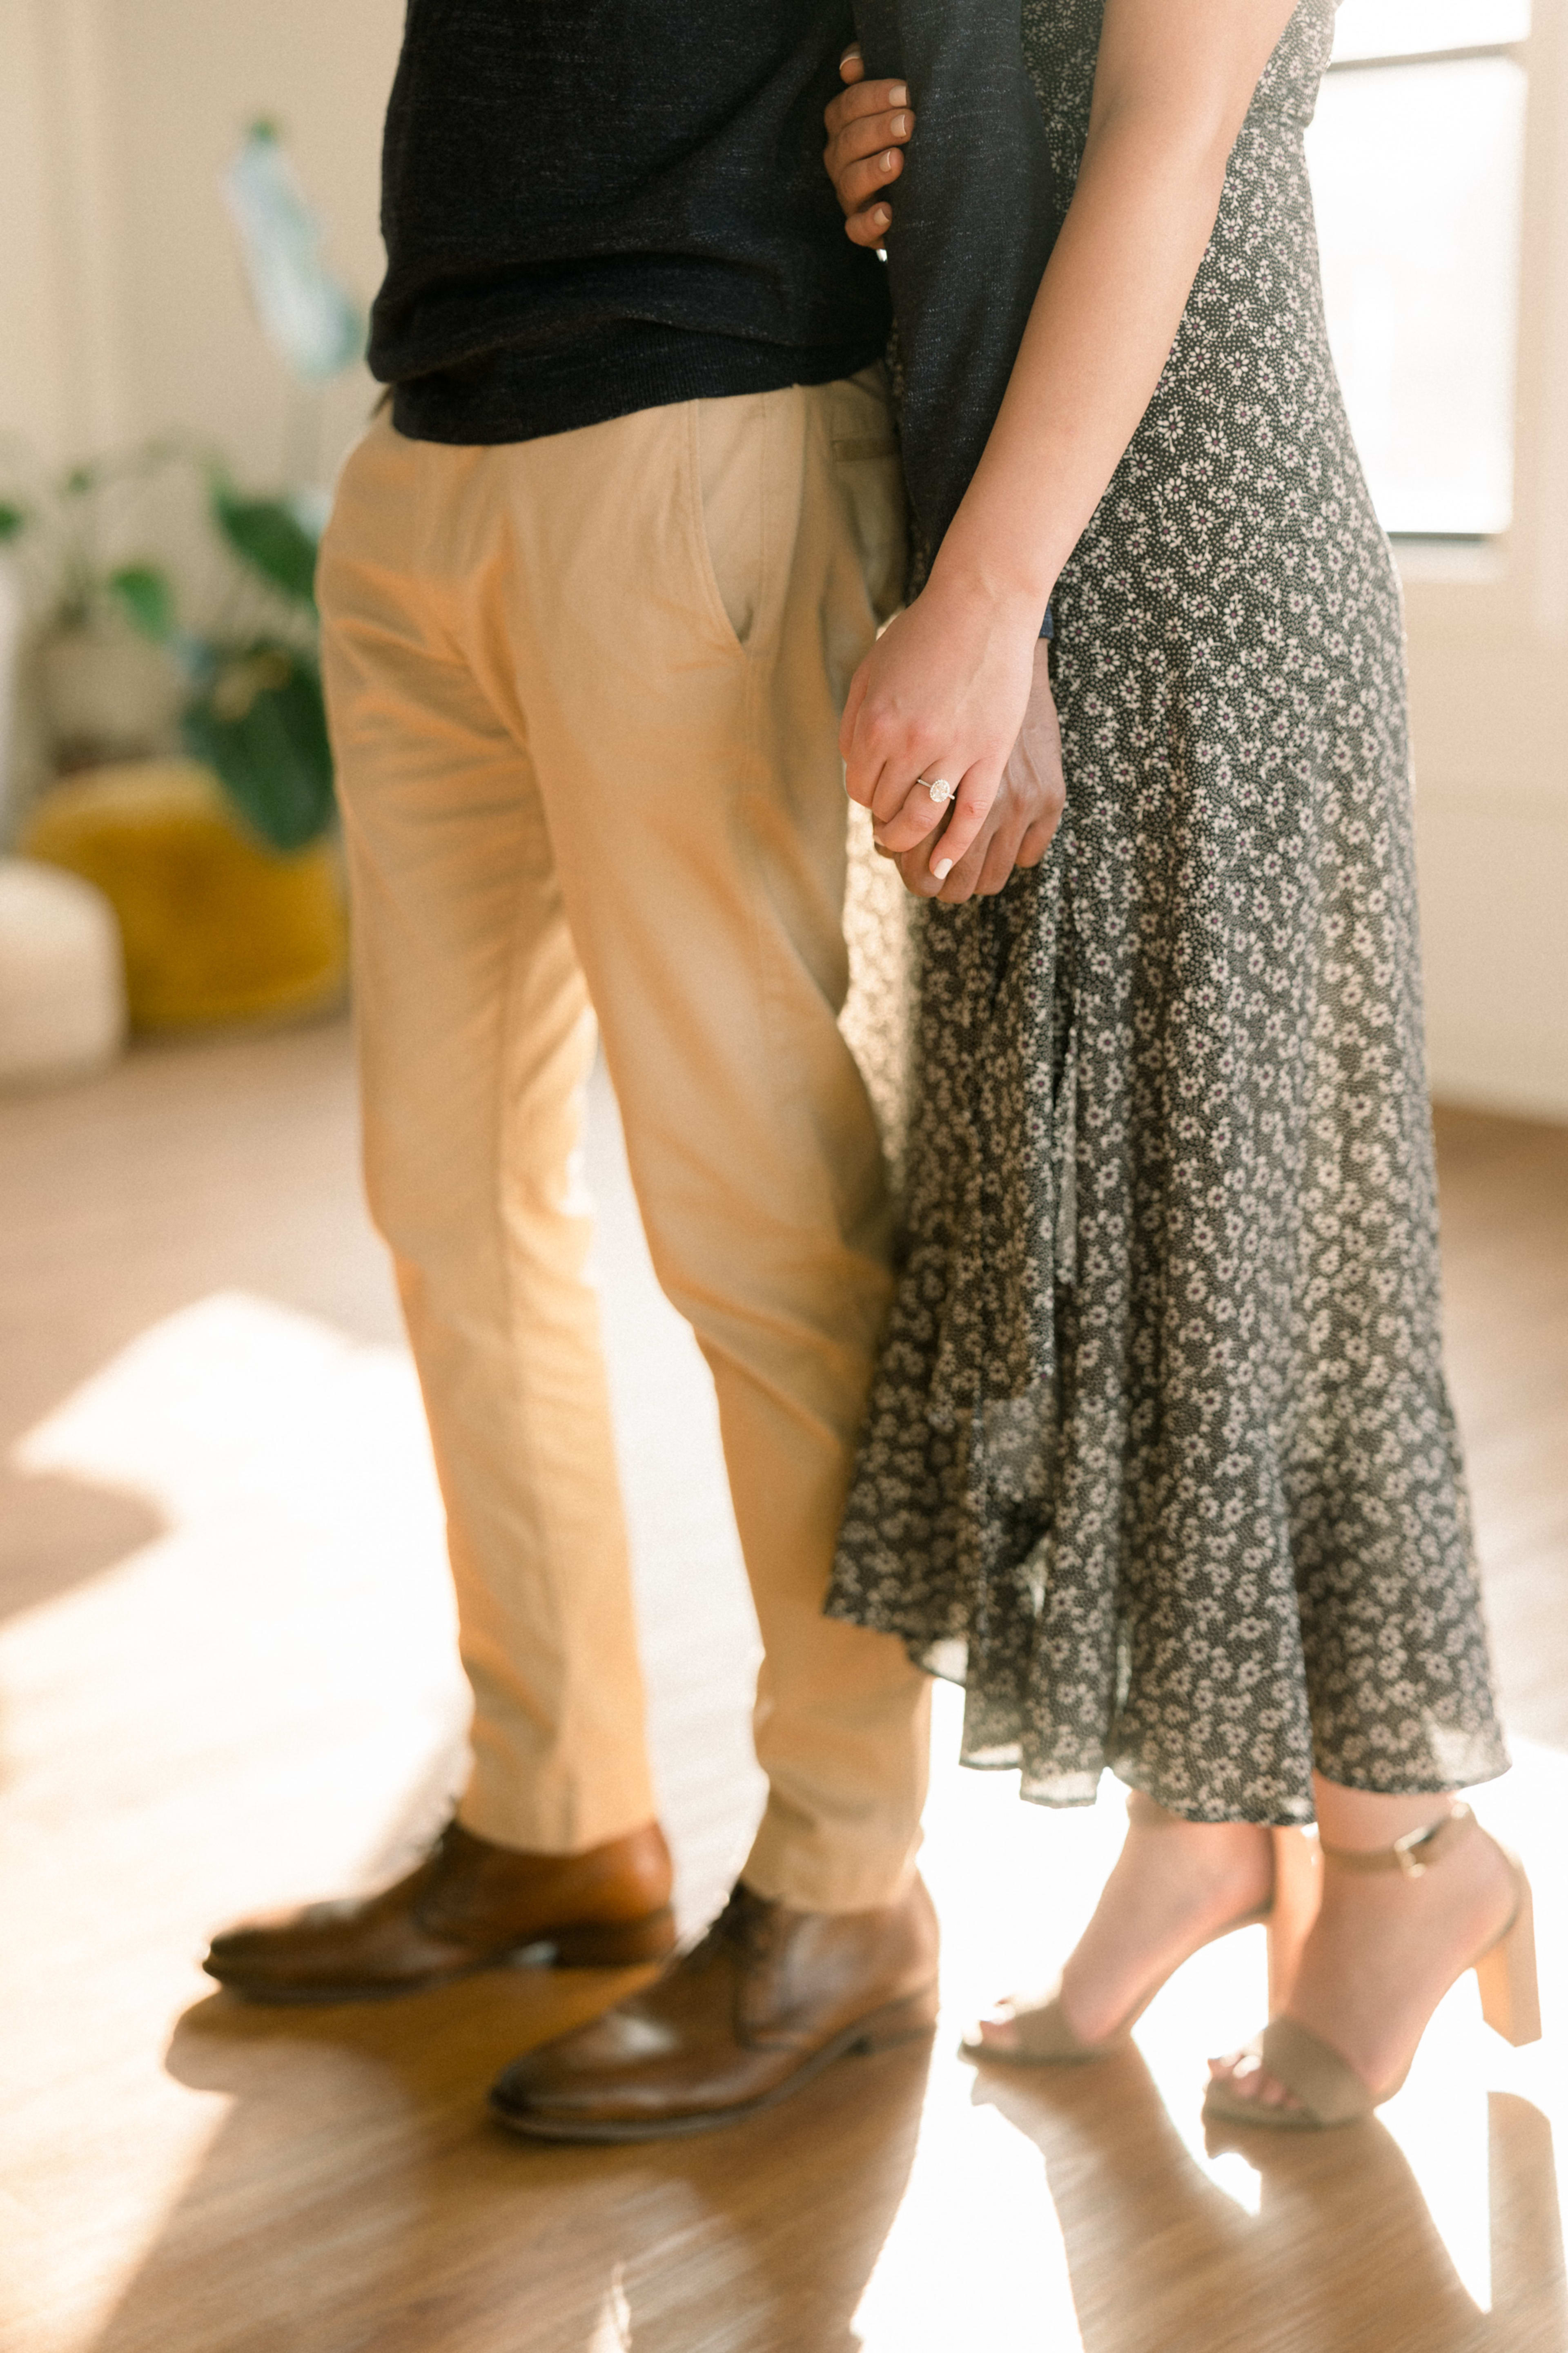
{"type": "Point", "coordinates": [731, 438]}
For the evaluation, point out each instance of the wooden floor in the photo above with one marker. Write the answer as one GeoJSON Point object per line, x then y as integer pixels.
{"type": "Point", "coordinates": [225, 1679]}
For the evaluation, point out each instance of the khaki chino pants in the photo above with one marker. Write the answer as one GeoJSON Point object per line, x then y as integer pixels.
{"type": "Point", "coordinates": [585, 694]}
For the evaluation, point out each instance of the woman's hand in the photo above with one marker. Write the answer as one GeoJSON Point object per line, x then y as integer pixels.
{"type": "Point", "coordinates": [1023, 818]}
{"type": "Point", "coordinates": [938, 701]}
{"type": "Point", "coordinates": [866, 128]}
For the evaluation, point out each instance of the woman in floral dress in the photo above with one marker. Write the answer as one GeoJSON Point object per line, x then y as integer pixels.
{"type": "Point", "coordinates": [1161, 1462]}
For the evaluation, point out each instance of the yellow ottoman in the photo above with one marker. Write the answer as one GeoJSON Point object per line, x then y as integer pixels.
{"type": "Point", "coordinates": [216, 927]}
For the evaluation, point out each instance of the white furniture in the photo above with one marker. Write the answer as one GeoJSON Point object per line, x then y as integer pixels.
{"type": "Point", "coordinates": [62, 978]}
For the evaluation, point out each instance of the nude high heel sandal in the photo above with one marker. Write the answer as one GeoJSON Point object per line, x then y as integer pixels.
{"type": "Point", "coordinates": [1046, 2037]}
{"type": "Point", "coordinates": [1326, 2085]}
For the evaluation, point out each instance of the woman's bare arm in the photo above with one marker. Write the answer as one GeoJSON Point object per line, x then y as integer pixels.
{"type": "Point", "coordinates": [944, 689]}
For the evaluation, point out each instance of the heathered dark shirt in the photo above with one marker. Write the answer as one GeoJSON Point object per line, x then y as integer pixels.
{"type": "Point", "coordinates": [596, 206]}
{"type": "Point", "coordinates": [592, 206]}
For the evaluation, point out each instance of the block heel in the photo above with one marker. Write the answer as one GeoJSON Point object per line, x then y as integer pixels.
{"type": "Point", "coordinates": [902, 2021]}
{"type": "Point", "coordinates": [615, 1943]}
{"type": "Point", "coordinates": [1510, 1987]}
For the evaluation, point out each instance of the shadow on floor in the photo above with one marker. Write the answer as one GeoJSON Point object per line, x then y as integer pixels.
{"type": "Point", "coordinates": [1342, 2255]}
{"type": "Point", "coordinates": [452, 2236]}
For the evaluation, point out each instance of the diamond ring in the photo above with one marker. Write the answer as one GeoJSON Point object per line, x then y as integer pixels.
{"type": "Point", "coordinates": [938, 788]}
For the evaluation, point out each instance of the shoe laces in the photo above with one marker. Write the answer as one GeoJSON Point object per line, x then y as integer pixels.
{"type": "Point", "coordinates": [746, 1921]}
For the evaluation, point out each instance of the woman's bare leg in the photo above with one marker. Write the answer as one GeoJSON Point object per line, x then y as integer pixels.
{"type": "Point", "coordinates": [1174, 1883]}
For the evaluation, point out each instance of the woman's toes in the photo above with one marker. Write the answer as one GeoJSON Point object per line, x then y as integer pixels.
{"type": "Point", "coordinates": [1245, 2074]}
{"type": "Point", "coordinates": [1000, 2029]}
{"type": "Point", "coordinates": [1241, 2073]}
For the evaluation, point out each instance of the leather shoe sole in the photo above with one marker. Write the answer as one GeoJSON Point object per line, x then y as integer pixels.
{"type": "Point", "coordinates": [912, 2020]}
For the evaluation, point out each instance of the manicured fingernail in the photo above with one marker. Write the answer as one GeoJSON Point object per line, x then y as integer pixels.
{"type": "Point", "coordinates": [900, 125]}
{"type": "Point", "coordinates": [886, 161]}
{"type": "Point", "coordinates": [942, 871]}
{"type": "Point", "coordinates": [899, 95]}
{"type": "Point", "coordinates": [880, 216]}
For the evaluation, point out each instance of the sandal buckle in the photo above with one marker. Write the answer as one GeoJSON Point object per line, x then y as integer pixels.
{"type": "Point", "coordinates": [1405, 1851]}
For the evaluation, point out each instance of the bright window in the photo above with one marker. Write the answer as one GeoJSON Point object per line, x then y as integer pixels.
{"type": "Point", "coordinates": [1416, 157]}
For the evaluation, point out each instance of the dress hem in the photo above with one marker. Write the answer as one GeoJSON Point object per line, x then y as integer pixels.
{"type": "Point", "coordinates": [919, 1656]}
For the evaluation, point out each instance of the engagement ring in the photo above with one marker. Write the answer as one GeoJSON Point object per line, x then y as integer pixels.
{"type": "Point", "coordinates": [937, 787]}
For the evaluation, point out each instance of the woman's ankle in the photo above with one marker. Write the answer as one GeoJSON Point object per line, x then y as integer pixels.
{"type": "Point", "coordinates": [1367, 1820]}
{"type": "Point", "coordinates": [1205, 1850]}
{"type": "Point", "coordinates": [1173, 1886]}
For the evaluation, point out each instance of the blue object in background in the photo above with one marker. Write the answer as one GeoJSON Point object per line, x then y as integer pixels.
{"type": "Point", "coordinates": [311, 320]}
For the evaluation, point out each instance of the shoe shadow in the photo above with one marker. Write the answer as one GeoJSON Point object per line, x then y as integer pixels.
{"type": "Point", "coordinates": [355, 2195]}
{"type": "Point", "coordinates": [1342, 2252]}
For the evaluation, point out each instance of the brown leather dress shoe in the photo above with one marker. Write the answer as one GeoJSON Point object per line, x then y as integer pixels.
{"type": "Point", "coordinates": [767, 1999]}
{"type": "Point", "coordinates": [470, 1906]}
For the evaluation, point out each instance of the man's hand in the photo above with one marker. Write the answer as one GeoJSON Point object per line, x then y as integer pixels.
{"type": "Point", "coordinates": [865, 128]}
{"type": "Point", "coordinates": [1024, 816]}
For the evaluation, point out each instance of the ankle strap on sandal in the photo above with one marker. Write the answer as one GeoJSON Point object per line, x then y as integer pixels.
{"type": "Point", "coordinates": [1413, 1855]}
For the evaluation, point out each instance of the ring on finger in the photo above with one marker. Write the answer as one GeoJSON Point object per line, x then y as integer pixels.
{"type": "Point", "coordinates": [938, 788]}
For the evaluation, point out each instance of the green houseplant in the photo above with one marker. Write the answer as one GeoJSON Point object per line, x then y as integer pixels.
{"type": "Point", "coordinates": [243, 689]}
{"type": "Point", "coordinates": [105, 692]}
{"type": "Point", "coordinates": [243, 692]}
{"type": "Point", "coordinates": [255, 712]}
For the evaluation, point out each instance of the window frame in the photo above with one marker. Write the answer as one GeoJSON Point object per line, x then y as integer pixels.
{"type": "Point", "coordinates": [1517, 51]}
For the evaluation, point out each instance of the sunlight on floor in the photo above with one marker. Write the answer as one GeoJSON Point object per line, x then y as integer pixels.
{"type": "Point", "coordinates": [244, 1692]}
{"type": "Point", "coordinates": [613, 2333]}
{"type": "Point", "coordinates": [297, 1462]}
{"type": "Point", "coordinates": [1013, 1886]}
{"type": "Point", "coordinates": [290, 1472]}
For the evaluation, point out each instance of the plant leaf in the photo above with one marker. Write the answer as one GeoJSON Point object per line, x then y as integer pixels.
{"type": "Point", "coordinates": [268, 535]}
{"type": "Point", "coordinates": [263, 727]}
{"type": "Point", "coordinates": [146, 598]}
{"type": "Point", "coordinates": [13, 522]}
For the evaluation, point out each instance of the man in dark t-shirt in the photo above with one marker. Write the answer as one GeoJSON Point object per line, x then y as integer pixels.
{"type": "Point", "coordinates": [593, 591]}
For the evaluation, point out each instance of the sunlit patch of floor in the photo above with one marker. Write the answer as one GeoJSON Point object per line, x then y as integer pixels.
{"type": "Point", "coordinates": [210, 1658]}
{"type": "Point", "coordinates": [1460, 2165]}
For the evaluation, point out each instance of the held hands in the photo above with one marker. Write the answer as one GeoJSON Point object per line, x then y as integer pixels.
{"type": "Point", "coordinates": [866, 128]}
{"type": "Point", "coordinates": [939, 700]}
{"type": "Point", "coordinates": [1022, 820]}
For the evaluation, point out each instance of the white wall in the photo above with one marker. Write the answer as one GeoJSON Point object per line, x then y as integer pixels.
{"type": "Point", "coordinates": [122, 307]}
{"type": "Point", "coordinates": [123, 312]}
{"type": "Point", "coordinates": [43, 312]}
